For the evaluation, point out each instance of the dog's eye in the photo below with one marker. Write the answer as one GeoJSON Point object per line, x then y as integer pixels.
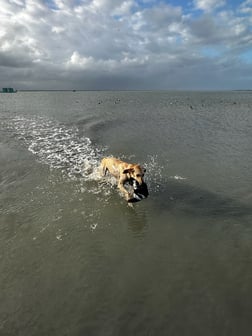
{"type": "Point", "coordinates": [139, 175]}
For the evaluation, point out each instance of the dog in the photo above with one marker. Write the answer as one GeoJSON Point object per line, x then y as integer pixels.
{"type": "Point", "coordinates": [125, 172]}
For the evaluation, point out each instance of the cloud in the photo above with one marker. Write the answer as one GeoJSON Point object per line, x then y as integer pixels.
{"type": "Point", "coordinates": [106, 44]}
{"type": "Point", "coordinates": [209, 5]}
{"type": "Point", "coordinates": [246, 8]}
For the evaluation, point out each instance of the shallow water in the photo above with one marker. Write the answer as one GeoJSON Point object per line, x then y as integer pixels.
{"type": "Point", "coordinates": [76, 260]}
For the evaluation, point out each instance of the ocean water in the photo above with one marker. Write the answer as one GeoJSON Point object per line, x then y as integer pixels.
{"type": "Point", "coordinates": [76, 260]}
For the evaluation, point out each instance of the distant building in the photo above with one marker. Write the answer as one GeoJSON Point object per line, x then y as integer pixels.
{"type": "Point", "coordinates": [8, 90]}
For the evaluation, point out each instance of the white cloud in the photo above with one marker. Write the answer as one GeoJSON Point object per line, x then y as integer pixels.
{"type": "Point", "coordinates": [209, 5]}
{"type": "Point", "coordinates": [78, 61]}
{"type": "Point", "coordinates": [114, 7]}
{"type": "Point", "coordinates": [57, 29]}
{"type": "Point", "coordinates": [17, 2]}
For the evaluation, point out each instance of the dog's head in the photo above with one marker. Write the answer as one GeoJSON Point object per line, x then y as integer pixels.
{"type": "Point", "coordinates": [136, 172]}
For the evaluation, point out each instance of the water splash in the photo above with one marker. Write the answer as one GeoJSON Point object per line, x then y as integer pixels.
{"type": "Point", "coordinates": [154, 174]}
{"type": "Point", "coordinates": [58, 146]}
{"type": "Point", "coordinates": [178, 177]}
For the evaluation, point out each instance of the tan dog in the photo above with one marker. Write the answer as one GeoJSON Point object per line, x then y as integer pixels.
{"type": "Point", "coordinates": [123, 172]}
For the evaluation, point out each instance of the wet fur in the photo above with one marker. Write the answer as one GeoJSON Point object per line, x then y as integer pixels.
{"type": "Point", "coordinates": [123, 172]}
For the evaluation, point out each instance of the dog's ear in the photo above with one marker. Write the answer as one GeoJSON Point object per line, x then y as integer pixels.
{"type": "Point", "coordinates": [128, 170]}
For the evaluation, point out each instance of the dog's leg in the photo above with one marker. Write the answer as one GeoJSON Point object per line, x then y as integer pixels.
{"type": "Point", "coordinates": [124, 191]}
{"type": "Point", "coordinates": [103, 170]}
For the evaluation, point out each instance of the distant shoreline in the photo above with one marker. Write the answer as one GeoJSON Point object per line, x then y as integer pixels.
{"type": "Point", "coordinates": [128, 90]}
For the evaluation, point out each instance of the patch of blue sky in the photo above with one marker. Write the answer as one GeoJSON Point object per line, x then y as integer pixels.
{"type": "Point", "coordinates": [234, 3]}
{"type": "Point", "coordinates": [246, 56]}
{"type": "Point", "coordinates": [185, 5]}
{"type": "Point", "coordinates": [179, 40]}
{"type": "Point", "coordinates": [117, 17]}
{"type": "Point", "coordinates": [51, 4]}
{"type": "Point", "coordinates": [147, 3]}
{"type": "Point", "coordinates": [210, 52]}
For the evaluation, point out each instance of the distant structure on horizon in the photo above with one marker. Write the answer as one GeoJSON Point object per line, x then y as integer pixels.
{"type": "Point", "coordinates": [8, 90]}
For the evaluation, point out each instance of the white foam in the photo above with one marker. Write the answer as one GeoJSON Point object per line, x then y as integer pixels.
{"type": "Point", "coordinates": [59, 146]}
{"type": "Point", "coordinates": [177, 177]}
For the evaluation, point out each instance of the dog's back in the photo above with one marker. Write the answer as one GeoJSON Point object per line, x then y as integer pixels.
{"type": "Point", "coordinates": [112, 165]}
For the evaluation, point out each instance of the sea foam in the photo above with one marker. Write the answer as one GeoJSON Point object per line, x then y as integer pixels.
{"type": "Point", "coordinates": [58, 146]}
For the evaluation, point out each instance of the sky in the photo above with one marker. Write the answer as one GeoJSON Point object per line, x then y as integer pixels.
{"type": "Point", "coordinates": [126, 44]}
